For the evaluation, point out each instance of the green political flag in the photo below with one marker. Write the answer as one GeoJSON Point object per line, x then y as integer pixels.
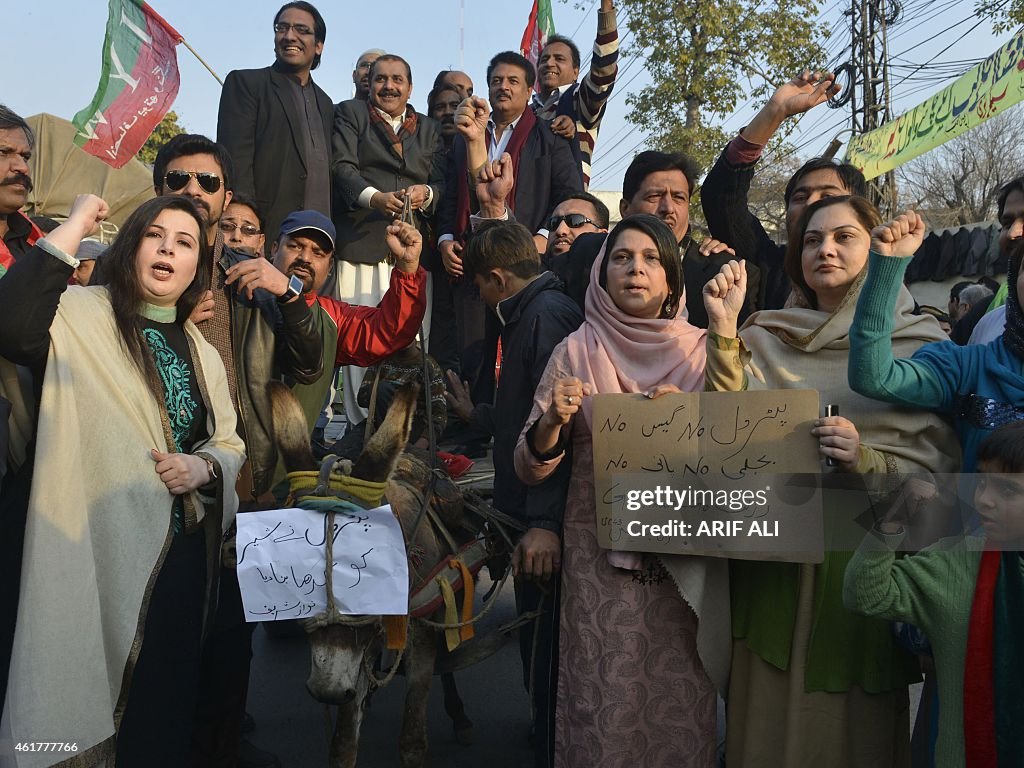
{"type": "Point", "coordinates": [138, 83]}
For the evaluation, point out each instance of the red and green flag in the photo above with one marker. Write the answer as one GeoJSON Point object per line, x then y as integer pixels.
{"type": "Point", "coordinates": [138, 83]}
{"type": "Point", "coordinates": [539, 28]}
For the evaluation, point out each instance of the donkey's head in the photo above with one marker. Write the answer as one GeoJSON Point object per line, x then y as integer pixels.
{"type": "Point", "coordinates": [379, 456]}
{"type": "Point", "coordinates": [340, 653]}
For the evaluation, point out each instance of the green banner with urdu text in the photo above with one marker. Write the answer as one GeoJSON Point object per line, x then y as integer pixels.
{"type": "Point", "coordinates": [984, 91]}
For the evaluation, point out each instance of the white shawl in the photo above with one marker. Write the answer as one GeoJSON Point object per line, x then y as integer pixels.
{"type": "Point", "coordinates": [99, 524]}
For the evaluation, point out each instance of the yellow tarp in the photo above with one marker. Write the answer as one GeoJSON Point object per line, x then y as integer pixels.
{"type": "Point", "coordinates": [60, 171]}
{"type": "Point", "coordinates": [985, 90]}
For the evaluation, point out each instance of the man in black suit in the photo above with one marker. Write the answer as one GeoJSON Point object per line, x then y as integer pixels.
{"type": "Point", "coordinates": [276, 122]}
{"type": "Point", "coordinates": [661, 184]}
{"type": "Point", "coordinates": [545, 174]}
{"type": "Point", "coordinates": [382, 150]}
{"type": "Point", "coordinates": [544, 169]}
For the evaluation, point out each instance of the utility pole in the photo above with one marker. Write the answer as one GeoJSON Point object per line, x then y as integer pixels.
{"type": "Point", "coordinates": [868, 92]}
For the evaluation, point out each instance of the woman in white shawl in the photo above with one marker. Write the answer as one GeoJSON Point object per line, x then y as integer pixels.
{"type": "Point", "coordinates": [812, 683]}
{"type": "Point", "coordinates": [136, 459]}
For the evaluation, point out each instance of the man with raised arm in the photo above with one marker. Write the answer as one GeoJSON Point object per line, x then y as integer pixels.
{"type": "Point", "coordinates": [574, 110]}
{"type": "Point", "coordinates": [726, 190]}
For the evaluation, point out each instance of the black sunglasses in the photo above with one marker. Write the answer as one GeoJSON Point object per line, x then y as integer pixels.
{"type": "Point", "coordinates": [572, 220]}
{"type": "Point", "coordinates": [178, 180]}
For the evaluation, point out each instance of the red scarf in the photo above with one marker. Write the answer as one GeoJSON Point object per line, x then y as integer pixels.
{"type": "Point", "coordinates": [979, 693]}
{"type": "Point", "coordinates": [993, 702]}
{"type": "Point", "coordinates": [407, 129]}
{"type": "Point", "coordinates": [515, 148]}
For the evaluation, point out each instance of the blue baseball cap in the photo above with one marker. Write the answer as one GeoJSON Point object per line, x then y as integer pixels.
{"type": "Point", "coordinates": [300, 220]}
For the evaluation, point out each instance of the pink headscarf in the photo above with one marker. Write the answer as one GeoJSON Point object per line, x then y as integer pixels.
{"type": "Point", "coordinates": [616, 352]}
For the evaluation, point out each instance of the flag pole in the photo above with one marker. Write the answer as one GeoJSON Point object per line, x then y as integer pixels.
{"type": "Point", "coordinates": [208, 68]}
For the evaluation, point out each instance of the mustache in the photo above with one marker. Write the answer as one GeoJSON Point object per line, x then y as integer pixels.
{"type": "Point", "coordinates": [18, 178]}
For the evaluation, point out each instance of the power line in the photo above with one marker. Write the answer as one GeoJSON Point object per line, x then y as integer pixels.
{"type": "Point", "coordinates": [934, 11]}
{"type": "Point", "coordinates": [922, 66]}
{"type": "Point", "coordinates": [611, 158]}
{"type": "Point", "coordinates": [586, 15]}
{"type": "Point", "coordinates": [942, 32]}
{"type": "Point", "coordinates": [614, 167]}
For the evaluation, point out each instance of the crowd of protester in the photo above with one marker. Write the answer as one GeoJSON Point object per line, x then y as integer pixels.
{"type": "Point", "coordinates": [460, 245]}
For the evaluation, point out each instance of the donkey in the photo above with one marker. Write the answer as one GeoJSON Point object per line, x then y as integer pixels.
{"type": "Point", "coordinates": [342, 655]}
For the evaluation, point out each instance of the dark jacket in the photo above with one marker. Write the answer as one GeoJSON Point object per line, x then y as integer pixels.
{"type": "Point", "coordinates": [573, 267]}
{"type": "Point", "coordinates": [547, 175]}
{"type": "Point", "coordinates": [257, 125]}
{"type": "Point", "coordinates": [535, 320]}
{"type": "Point", "coordinates": [268, 341]}
{"type": "Point", "coordinates": [723, 197]}
{"type": "Point", "coordinates": [363, 156]}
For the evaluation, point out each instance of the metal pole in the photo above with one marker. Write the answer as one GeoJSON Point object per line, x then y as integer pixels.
{"type": "Point", "coordinates": [208, 68]}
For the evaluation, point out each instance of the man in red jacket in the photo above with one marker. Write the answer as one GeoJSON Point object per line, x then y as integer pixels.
{"type": "Point", "coordinates": [352, 334]}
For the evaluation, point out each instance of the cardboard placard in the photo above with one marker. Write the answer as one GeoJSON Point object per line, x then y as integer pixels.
{"type": "Point", "coordinates": [725, 474]}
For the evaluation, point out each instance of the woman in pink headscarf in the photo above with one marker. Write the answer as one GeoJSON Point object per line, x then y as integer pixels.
{"type": "Point", "coordinates": [632, 686]}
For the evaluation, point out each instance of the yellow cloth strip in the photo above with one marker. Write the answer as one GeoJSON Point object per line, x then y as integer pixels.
{"type": "Point", "coordinates": [466, 632]}
{"type": "Point", "coordinates": [369, 492]}
{"type": "Point", "coordinates": [451, 612]}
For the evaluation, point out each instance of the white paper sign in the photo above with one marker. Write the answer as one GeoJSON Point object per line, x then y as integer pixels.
{"type": "Point", "coordinates": [282, 563]}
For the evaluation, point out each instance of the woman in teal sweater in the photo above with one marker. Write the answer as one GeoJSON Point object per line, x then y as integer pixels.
{"type": "Point", "coordinates": [980, 387]}
{"type": "Point", "coordinates": [968, 596]}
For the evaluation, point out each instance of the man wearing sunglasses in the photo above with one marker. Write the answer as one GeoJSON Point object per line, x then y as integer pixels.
{"type": "Point", "coordinates": [241, 226]}
{"type": "Point", "coordinates": [276, 122]}
{"type": "Point", "coordinates": [579, 214]}
{"type": "Point", "coordinates": [262, 330]}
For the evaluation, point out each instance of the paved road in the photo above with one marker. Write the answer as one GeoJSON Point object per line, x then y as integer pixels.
{"type": "Point", "coordinates": [293, 726]}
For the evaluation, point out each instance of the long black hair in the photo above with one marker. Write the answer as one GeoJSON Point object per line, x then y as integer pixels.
{"type": "Point", "coordinates": [122, 280]}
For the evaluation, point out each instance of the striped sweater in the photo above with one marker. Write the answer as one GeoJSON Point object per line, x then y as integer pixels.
{"type": "Point", "coordinates": [590, 94]}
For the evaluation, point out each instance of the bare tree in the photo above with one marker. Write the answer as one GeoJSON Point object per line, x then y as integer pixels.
{"type": "Point", "coordinates": [958, 182]}
{"type": "Point", "coordinates": [768, 190]}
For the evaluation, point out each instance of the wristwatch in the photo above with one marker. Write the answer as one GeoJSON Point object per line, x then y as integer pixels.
{"type": "Point", "coordinates": [294, 289]}
{"type": "Point", "coordinates": [211, 467]}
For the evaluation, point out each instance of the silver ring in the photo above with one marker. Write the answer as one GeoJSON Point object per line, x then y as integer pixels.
{"type": "Point", "coordinates": [569, 399]}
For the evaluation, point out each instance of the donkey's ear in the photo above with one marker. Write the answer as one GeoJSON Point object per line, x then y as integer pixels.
{"type": "Point", "coordinates": [290, 429]}
{"type": "Point", "coordinates": [379, 457]}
